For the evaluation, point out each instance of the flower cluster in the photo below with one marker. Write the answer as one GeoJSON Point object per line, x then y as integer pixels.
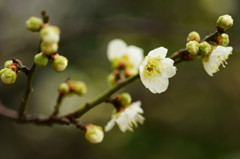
{"type": "Point", "coordinates": [49, 37]}
{"type": "Point", "coordinates": [128, 63]}
{"type": "Point", "coordinates": [212, 55]}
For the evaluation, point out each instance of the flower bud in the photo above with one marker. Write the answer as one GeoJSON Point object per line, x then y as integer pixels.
{"type": "Point", "coordinates": [59, 63]}
{"type": "Point", "coordinates": [192, 47]}
{"type": "Point", "coordinates": [125, 99]}
{"type": "Point", "coordinates": [77, 87]}
{"type": "Point", "coordinates": [94, 134]}
{"type": "Point", "coordinates": [48, 49]}
{"type": "Point", "coordinates": [223, 40]}
{"type": "Point", "coordinates": [7, 63]}
{"type": "Point", "coordinates": [8, 76]}
{"type": "Point", "coordinates": [205, 48]}
{"type": "Point", "coordinates": [224, 22]}
{"type": "Point", "coordinates": [40, 59]}
{"type": "Point", "coordinates": [111, 79]}
{"type": "Point", "coordinates": [193, 36]}
{"type": "Point", "coordinates": [50, 34]}
{"type": "Point", "coordinates": [34, 24]}
{"type": "Point", "coordinates": [63, 88]}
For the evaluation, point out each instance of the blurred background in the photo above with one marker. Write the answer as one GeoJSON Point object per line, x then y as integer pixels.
{"type": "Point", "coordinates": [198, 117]}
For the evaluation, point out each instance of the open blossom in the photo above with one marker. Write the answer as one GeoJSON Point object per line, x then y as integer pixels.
{"type": "Point", "coordinates": [127, 118]}
{"type": "Point", "coordinates": [217, 57]}
{"type": "Point", "coordinates": [156, 69]}
{"type": "Point", "coordinates": [119, 53]}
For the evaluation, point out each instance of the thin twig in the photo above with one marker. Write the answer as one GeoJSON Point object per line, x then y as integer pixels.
{"type": "Point", "coordinates": [29, 89]}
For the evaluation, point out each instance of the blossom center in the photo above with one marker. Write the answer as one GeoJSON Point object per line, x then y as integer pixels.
{"type": "Point", "coordinates": [123, 60]}
{"type": "Point", "coordinates": [152, 67]}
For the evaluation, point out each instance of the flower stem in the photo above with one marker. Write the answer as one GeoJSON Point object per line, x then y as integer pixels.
{"type": "Point", "coordinates": [23, 104]}
{"type": "Point", "coordinates": [102, 98]}
{"type": "Point", "coordinates": [57, 106]}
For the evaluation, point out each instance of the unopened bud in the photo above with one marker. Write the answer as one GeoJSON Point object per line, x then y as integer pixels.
{"type": "Point", "coordinates": [40, 59]}
{"type": "Point", "coordinates": [48, 49]}
{"type": "Point", "coordinates": [193, 36]}
{"type": "Point", "coordinates": [50, 34]}
{"type": "Point", "coordinates": [205, 48]}
{"type": "Point", "coordinates": [7, 63]}
{"type": "Point", "coordinates": [34, 24]}
{"type": "Point", "coordinates": [224, 22]}
{"type": "Point", "coordinates": [59, 63]}
{"type": "Point", "coordinates": [125, 99]}
{"type": "Point", "coordinates": [63, 88]}
{"type": "Point", "coordinates": [223, 40]}
{"type": "Point", "coordinates": [77, 87]}
{"type": "Point", "coordinates": [8, 76]}
{"type": "Point", "coordinates": [94, 134]}
{"type": "Point", "coordinates": [111, 79]}
{"type": "Point", "coordinates": [192, 47]}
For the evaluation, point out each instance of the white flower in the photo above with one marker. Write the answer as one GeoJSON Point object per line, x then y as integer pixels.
{"type": "Point", "coordinates": [118, 50]}
{"type": "Point", "coordinates": [218, 56]}
{"type": "Point", "coordinates": [156, 69]}
{"type": "Point", "coordinates": [128, 118]}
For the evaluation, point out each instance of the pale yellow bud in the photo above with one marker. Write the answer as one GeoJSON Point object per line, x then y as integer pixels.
{"type": "Point", "coordinates": [125, 99]}
{"type": "Point", "coordinates": [94, 134]}
{"type": "Point", "coordinates": [7, 63]}
{"type": "Point", "coordinates": [63, 88]}
{"type": "Point", "coordinates": [40, 59]}
{"type": "Point", "coordinates": [192, 47]}
{"type": "Point", "coordinates": [224, 22]}
{"type": "Point", "coordinates": [205, 48]}
{"type": "Point", "coordinates": [59, 63]}
{"type": "Point", "coordinates": [223, 40]}
{"type": "Point", "coordinates": [50, 34]}
{"type": "Point", "coordinates": [77, 87]}
{"type": "Point", "coordinates": [193, 36]}
{"type": "Point", "coordinates": [48, 49]}
{"type": "Point", "coordinates": [34, 24]}
{"type": "Point", "coordinates": [8, 76]}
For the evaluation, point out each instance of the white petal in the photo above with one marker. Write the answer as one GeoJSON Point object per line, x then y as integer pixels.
{"type": "Point", "coordinates": [116, 48]}
{"type": "Point", "coordinates": [157, 84]}
{"type": "Point", "coordinates": [161, 51]}
{"type": "Point", "coordinates": [135, 55]}
{"type": "Point", "coordinates": [169, 70]}
{"type": "Point", "coordinates": [110, 125]}
{"type": "Point", "coordinates": [123, 122]}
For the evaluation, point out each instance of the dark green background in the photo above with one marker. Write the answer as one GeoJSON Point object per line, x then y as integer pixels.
{"type": "Point", "coordinates": [198, 117]}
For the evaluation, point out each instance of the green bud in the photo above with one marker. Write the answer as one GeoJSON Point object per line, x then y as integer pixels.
{"type": "Point", "coordinates": [34, 24]}
{"type": "Point", "coordinates": [193, 36]}
{"type": "Point", "coordinates": [8, 76]}
{"type": "Point", "coordinates": [224, 22]}
{"type": "Point", "coordinates": [94, 134]}
{"type": "Point", "coordinates": [223, 40]}
{"type": "Point", "coordinates": [205, 48]}
{"type": "Point", "coordinates": [9, 62]}
{"type": "Point", "coordinates": [59, 63]}
{"type": "Point", "coordinates": [40, 59]}
{"type": "Point", "coordinates": [49, 49]}
{"type": "Point", "coordinates": [77, 87]}
{"type": "Point", "coordinates": [63, 88]}
{"type": "Point", "coordinates": [50, 34]}
{"type": "Point", "coordinates": [192, 47]}
{"type": "Point", "coordinates": [111, 79]}
{"type": "Point", "coordinates": [126, 99]}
